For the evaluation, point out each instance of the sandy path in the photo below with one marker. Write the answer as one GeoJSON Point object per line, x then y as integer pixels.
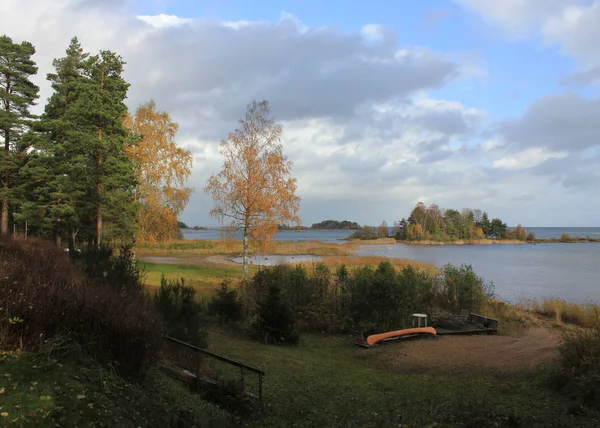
{"type": "Point", "coordinates": [501, 354]}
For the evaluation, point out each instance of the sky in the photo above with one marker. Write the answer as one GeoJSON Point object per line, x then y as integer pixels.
{"type": "Point", "coordinates": [463, 103]}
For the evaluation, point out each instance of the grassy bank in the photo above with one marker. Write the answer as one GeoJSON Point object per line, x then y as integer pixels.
{"type": "Point", "coordinates": [71, 390]}
{"type": "Point", "coordinates": [335, 262]}
{"type": "Point", "coordinates": [224, 247]}
{"type": "Point", "coordinates": [560, 311]}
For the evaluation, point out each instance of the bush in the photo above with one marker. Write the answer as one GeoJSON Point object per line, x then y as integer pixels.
{"type": "Point", "coordinates": [463, 289]}
{"type": "Point", "coordinates": [181, 313]}
{"type": "Point", "coordinates": [578, 370]}
{"type": "Point", "coordinates": [43, 294]}
{"type": "Point", "coordinates": [366, 299]}
{"type": "Point", "coordinates": [226, 304]}
{"type": "Point", "coordinates": [275, 322]}
{"type": "Point", "coordinates": [103, 268]}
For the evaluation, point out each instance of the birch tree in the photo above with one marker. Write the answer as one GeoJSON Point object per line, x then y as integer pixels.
{"type": "Point", "coordinates": [254, 191]}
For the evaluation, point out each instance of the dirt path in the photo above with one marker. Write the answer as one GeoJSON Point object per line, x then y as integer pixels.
{"type": "Point", "coordinates": [501, 354]}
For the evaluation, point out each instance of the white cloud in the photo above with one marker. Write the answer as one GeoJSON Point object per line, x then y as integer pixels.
{"type": "Point", "coordinates": [570, 24]}
{"type": "Point", "coordinates": [162, 20]}
{"type": "Point", "coordinates": [372, 32]}
{"type": "Point", "coordinates": [528, 158]}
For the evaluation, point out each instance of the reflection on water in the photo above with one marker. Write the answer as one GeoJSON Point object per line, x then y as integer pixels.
{"type": "Point", "coordinates": [272, 260]}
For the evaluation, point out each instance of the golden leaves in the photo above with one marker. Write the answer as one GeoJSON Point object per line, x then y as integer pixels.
{"type": "Point", "coordinates": [162, 168]}
{"type": "Point", "coordinates": [254, 189]}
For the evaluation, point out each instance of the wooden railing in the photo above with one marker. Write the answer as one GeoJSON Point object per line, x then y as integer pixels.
{"type": "Point", "coordinates": [243, 367]}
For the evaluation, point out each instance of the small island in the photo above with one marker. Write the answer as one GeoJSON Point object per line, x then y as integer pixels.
{"type": "Point", "coordinates": [337, 225]}
{"type": "Point", "coordinates": [433, 225]}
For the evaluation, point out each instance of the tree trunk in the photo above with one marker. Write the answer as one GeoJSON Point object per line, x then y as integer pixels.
{"type": "Point", "coordinates": [5, 212]}
{"type": "Point", "coordinates": [4, 228]}
{"type": "Point", "coordinates": [245, 256]}
{"type": "Point", "coordinates": [99, 211]}
{"type": "Point", "coordinates": [71, 238]}
{"type": "Point", "coordinates": [99, 195]}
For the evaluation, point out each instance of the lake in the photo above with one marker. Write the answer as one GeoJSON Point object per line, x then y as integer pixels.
{"type": "Point", "coordinates": [567, 271]}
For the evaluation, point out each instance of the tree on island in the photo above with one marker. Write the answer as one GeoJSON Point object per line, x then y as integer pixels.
{"type": "Point", "coordinates": [254, 190]}
{"type": "Point", "coordinates": [449, 225]}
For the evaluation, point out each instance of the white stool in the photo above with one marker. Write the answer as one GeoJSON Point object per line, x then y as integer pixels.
{"type": "Point", "coordinates": [417, 319]}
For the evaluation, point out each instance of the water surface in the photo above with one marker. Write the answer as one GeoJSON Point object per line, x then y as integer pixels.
{"type": "Point", "coordinates": [567, 271]}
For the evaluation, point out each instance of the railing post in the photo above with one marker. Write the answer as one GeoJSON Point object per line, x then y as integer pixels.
{"type": "Point", "coordinates": [197, 371]}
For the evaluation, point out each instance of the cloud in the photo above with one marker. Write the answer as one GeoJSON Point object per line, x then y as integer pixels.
{"type": "Point", "coordinates": [516, 18]}
{"type": "Point", "coordinates": [372, 32]}
{"type": "Point", "coordinates": [528, 158]}
{"type": "Point", "coordinates": [558, 122]}
{"type": "Point", "coordinates": [572, 25]}
{"type": "Point", "coordinates": [360, 124]}
{"type": "Point", "coordinates": [162, 20]}
{"type": "Point", "coordinates": [585, 77]}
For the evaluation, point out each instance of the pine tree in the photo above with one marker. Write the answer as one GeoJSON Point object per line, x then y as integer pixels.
{"type": "Point", "coordinates": [100, 108]}
{"type": "Point", "coordinates": [55, 178]}
{"type": "Point", "coordinates": [17, 96]}
{"type": "Point", "coordinates": [80, 177]}
{"type": "Point", "coordinates": [275, 322]}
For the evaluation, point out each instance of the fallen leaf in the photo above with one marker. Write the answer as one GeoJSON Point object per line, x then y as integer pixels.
{"type": "Point", "coordinates": [80, 397]}
{"type": "Point", "coordinates": [1, 390]}
{"type": "Point", "coordinates": [91, 406]}
{"type": "Point", "coordinates": [4, 414]}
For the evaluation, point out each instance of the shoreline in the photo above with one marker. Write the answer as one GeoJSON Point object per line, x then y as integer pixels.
{"type": "Point", "coordinates": [484, 241]}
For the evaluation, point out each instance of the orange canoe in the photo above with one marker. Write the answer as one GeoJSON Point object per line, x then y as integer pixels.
{"type": "Point", "coordinates": [376, 338]}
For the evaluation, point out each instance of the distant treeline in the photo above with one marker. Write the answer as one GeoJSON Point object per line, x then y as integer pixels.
{"type": "Point", "coordinates": [433, 223]}
{"type": "Point", "coordinates": [182, 225]}
{"type": "Point", "coordinates": [444, 225]}
{"type": "Point", "coordinates": [335, 224]}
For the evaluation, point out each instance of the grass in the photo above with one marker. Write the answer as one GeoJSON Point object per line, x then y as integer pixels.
{"type": "Point", "coordinates": [72, 390]}
{"type": "Point", "coordinates": [326, 381]}
{"type": "Point", "coordinates": [214, 247]}
{"type": "Point", "coordinates": [335, 262]}
{"type": "Point", "coordinates": [204, 278]}
{"type": "Point", "coordinates": [583, 315]}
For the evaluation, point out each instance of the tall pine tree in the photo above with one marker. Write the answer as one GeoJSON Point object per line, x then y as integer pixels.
{"type": "Point", "coordinates": [55, 177]}
{"type": "Point", "coordinates": [81, 174]}
{"type": "Point", "coordinates": [102, 108]}
{"type": "Point", "coordinates": [17, 96]}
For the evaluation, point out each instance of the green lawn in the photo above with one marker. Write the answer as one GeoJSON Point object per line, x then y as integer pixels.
{"type": "Point", "coordinates": [203, 278]}
{"type": "Point", "coordinates": [326, 381]}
